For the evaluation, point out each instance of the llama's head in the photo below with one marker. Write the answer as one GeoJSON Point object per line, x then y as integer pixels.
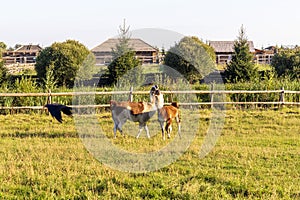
{"type": "Point", "coordinates": [156, 96]}
{"type": "Point", "coordinates": [153, 92]}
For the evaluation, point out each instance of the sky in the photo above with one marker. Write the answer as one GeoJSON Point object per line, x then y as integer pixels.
{"type": "Point", "coordinates": [91, 22]}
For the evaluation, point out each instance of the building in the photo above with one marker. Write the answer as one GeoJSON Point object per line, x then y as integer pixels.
{"type": "Point", "coordinates": [25, 54]}
{"type": "Point", "coordinates": [225, 49]}
{"type": "Point", "coordinates": [265, 55]}
{"type": "Point", "coordinates": [144, 52]}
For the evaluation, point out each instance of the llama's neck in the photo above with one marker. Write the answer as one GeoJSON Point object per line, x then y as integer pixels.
{"type": "Point", "coordinates": [159, 101]}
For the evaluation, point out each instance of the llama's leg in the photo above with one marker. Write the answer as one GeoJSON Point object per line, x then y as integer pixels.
{"type": "Point", "coordinates": [116, 128]}
{"type": "Point", "coordinates": [140, 130]}
{"type": "Point", "coordinates": [162, 129]}
{"type": "Point", "coordinates": [168, 127]}
{"type": "Point", "coordinates": [179, 131]}
{"type": "Point", "coordinates": [120, 129]}
{"type": "Point", "coordinates": [178, 126]}
{"type": "Point", "coordinates": [147, 131]}
{"type": "Point", "coordinates": [115, 131]}
{"type": "Point", "coordinates": [141, 126]}
{"type": "Point", "coordinates": [120, 124]}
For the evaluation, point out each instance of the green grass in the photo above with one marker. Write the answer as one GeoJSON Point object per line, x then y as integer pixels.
{"type": "Point", "coordinates": [257, 156]}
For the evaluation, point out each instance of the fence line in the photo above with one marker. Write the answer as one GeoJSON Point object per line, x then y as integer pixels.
{"type": "Point", "coordinates": [49, 94]}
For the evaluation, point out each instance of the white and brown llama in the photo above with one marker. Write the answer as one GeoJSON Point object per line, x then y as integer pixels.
{"type": "Point", "coordinates": [139, 112]}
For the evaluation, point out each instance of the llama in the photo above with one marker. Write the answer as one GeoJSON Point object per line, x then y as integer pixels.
{"type": "Point", "coordinates": [167, 113]}
{"type": "Point", "coordinates": [139, 112]}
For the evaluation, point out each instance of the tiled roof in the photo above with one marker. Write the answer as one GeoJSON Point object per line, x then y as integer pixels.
{"type": "Point", "coordinates": [135, 44]}
{"type": "Point", "coordinates": [227, 46]}
{"type": "Point", "coordinates": [30, 47]}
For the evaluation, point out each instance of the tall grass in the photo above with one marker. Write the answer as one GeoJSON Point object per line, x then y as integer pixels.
{"type": "Point", "coordinates": [22, 85]}
{"type": "Point", "coordinates": [269, 84]}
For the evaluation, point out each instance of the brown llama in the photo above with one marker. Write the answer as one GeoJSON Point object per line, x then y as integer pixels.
{"type": "Point", "coordinates": [166, 114]}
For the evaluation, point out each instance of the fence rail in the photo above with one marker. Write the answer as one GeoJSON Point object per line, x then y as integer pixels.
{"type": "Point", "coordinates": [146, 92]}
{"type": "Point", "coordinates": [49, 94]}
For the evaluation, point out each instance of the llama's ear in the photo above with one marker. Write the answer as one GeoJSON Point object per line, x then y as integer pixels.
{"type": "Point", "coordinates": [155, 87]}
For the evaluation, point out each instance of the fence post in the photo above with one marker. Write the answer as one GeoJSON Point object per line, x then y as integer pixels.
{"type": "Point", "coordinates": [49, 101]}
{"type": "Point", "coordinates": [212, 87]}
{"type": "Point", "coordinates": [282, 96]}
{"type": "Point", "coordinates": [130, 98]}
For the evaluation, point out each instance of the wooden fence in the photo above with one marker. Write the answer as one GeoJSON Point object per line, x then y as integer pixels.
{"type": "Point", "coordinates": [281, 97]}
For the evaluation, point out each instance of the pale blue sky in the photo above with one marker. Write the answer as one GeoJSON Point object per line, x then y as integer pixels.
{"type": "Point", "coordinates": [267, 22]}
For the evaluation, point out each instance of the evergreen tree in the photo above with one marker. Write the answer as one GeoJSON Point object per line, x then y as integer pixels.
{"type": "Point", "coordinates": [241, 67]}
{"type": "Point", "coordinates": [123, 46]}
{"type": "Point", "coordinates": [123, 56]}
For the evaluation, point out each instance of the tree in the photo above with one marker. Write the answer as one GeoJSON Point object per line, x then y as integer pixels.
{"type": "Point", "coordinates": [123, 56]}
{"type": "Point", "coordinates": [209, 50]}
{"type": "Point", "coordinates": [64, 59]}
{"type": "Point", "coordinates": [190, 57]}
{"type": "Point", "coordinates": [87, 68]}
{"type": "Point", "coordinates": [49, 81]}
{"type": "Point", "coordinates": [287, 63]}
{"type": "Point", "coordinates": [3, 73]}
{"type": "Point", "coordinates": [3, 69]}
{"type": "Point", "coordinates": [123, 46]}
{"type": "Point", "coordinates": [241, 67]}
{"type": "Point", "coordinates": [2, 48]}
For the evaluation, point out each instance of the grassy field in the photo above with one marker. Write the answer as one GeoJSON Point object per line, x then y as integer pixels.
{"type": "Point", "coordinates": [257, 156]}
